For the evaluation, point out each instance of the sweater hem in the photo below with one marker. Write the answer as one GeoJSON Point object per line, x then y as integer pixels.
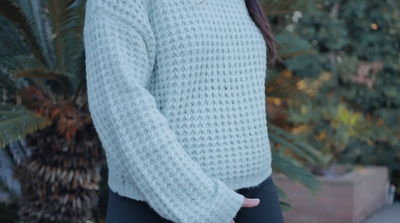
{"type": "Point", "coordinates": [249, 181]}
{"type": "Point", "coordinates": [132, 192]}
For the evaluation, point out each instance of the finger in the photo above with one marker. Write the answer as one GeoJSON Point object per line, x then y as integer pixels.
{"type": "Point", "coordinates": [250, 202]}
{"type": "Point", "coordinates": [232, 221]}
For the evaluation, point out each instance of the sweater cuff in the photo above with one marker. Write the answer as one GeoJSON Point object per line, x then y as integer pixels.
{"type": "Point", "coordinates": [227, 204]}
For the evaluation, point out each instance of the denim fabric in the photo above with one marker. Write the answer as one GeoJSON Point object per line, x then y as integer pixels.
{"type": "Point", "coordinates": [125, 210]}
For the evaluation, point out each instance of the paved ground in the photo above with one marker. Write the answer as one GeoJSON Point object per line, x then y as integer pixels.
{"type": "Point", "coordinates": [386, 214]}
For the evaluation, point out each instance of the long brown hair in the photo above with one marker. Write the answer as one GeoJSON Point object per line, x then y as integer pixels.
{"type": "Point", "coordinates": [259, 18]}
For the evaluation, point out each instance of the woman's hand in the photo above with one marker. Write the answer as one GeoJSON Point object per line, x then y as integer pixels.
{"type": "Point", "coordinates": [249, 203]}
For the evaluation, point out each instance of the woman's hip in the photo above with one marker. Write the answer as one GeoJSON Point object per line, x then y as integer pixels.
{"type": "Point", "coordinates": [125, 210]}
{"type": "Point", "coordinates": [267, 211]}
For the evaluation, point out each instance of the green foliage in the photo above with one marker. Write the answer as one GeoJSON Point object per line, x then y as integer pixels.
{"type": "Point", "coordinates": [358, 42]}
{"type": "Point", "coordinates": [322, 30]}
{"type": "Point", "coordinates": [14, 15]}
{"type": "Point", "coordinates": [16, 122]}
{"type": "Point", "coordinates": [291, 47]}
{"type": "Point", "coordinates": [272, 7]}
{"type": "Point", "coordinates": [308, 65]}
{"type": "Point", "coordinates": [298, 147]}
{"type": "Point", "coordinates": [293, 166]}
{"type": "Point", "coordinates": [43, 47]}
{"type": "Point", "coordinates": [348, 124]}
{"type": "Point", "coordinates": [296, 172]}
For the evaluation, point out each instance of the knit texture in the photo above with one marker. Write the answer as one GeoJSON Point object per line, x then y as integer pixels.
{"type": "Point", "coordinates": [176, 91]}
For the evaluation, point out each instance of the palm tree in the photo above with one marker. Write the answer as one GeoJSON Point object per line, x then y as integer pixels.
{"type": "Point", "coordinates": [45, 104]}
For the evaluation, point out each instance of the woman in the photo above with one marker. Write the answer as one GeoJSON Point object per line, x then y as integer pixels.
{"type": "Point", "coordinates": [176, 93]}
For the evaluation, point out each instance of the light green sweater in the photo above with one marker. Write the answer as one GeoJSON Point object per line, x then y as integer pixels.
{"type": "Point", "coordinates": [177, 95]}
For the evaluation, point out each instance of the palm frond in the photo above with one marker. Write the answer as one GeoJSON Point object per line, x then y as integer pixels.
{"type": "Point", "coordinates": [294, 171]}
{"type": "Point", "coordinates": [292, 45]}
{"type": "Point", "coordinates": [41, 74]}
{"type": "Point", "coordinates": [300, 148]}
{"type": "Point", "coordinates": [285, 206]}
{"type": "Point", "coordinates": [15, 16]}
{"type": "Point", "coordinates": [283, 199]}
{"type": "Point", "coordinates": [16, 62]}
{"type": "Point", "coordinates": [6, 83]}
{"type": "Point", "coordinates": [11, 43]}
{"type": "Point", "coordinates": [64, 16]}
{"type": "Point", "coordinates": [16, 122]}
{"type": "Point", "coordinates": [8, 67]}
{"type": "Point", "coordinates": [34, 10]}
{"type": "Point", "coordinates": [281, 193]}
{"type": "Point", "coordinates": [73, 37]}
{"type": "Point", "coordinates": [38, 72]}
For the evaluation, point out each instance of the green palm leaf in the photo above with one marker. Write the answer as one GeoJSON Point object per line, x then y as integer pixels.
{"type": "Point", "coordinates": [6, 83]}
{"type": "Point", "coordinates": [10, 41]}
{"type": "Point", "coordinates": [33, 10]}
{"type": "Point", "coordinates": [300, 148]}
{"type": "Point", "coordinates": [294, 171]}
{"type": "Point", "coordinates": [285, 206]}
{"type": "Point", "coordinates": [285, 203]}
{"type": "Point", "coordinates": [73, 37]}
{"type": "Point", "coordinates": [16, 122]}
{"type": "Point", "coordinates": [281, 193]}
{"type": "Point", "coordinates": [292, 45]}
{"type": "Point", "coordinates": [14, 15]}
{"type": "Point", "coordinates": [67, 19]}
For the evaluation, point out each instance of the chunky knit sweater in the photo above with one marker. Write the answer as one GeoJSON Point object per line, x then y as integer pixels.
{"type": "Point", "coordinates": [176, 91]}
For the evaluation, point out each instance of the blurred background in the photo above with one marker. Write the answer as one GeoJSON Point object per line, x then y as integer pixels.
{"type": "Point", "coordinates": [333, 112]}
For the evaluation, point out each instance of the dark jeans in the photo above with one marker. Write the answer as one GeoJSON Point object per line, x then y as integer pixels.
{"type": "Point", "coordinates": [122, 209]}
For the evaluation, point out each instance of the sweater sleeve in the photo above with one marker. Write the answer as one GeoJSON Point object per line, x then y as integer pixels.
{"type": "Point", "coordinates": [120, 55]}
